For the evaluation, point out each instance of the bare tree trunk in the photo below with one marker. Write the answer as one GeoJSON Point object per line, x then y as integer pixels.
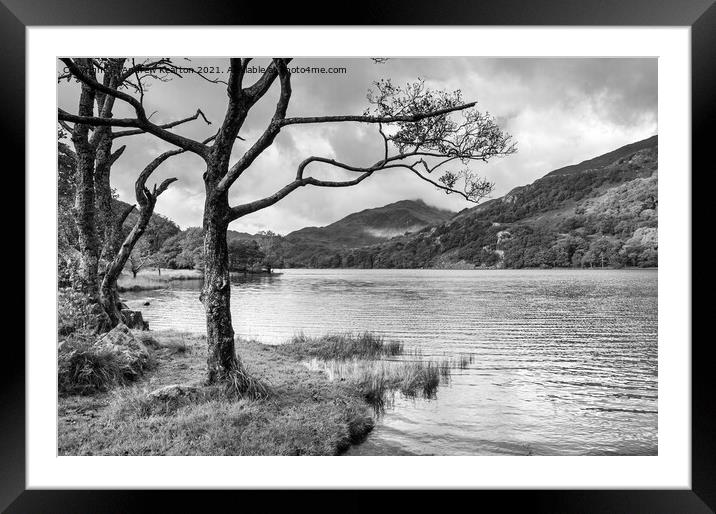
{"type": "Point", "coordinates": [109, 225]}
{"type": "Point", "coordinates": [111, 239]}
{"type": "Point", "coordinates": [108, 290]}
{"type": "Point", "coordinates": [147, 200]}
{"type": "Point", "coordinates": [85, 210]}
{"type": "Point", "coordinates": [85, 201]}
{"type": "Point", "coordinates": [109, 229]}
{"type": "Point", "coordinates": [109, 298]}
{"type": "Point", "coordinates": [86, 228]}
{"type": "Point", "coordinates": [216, 293]}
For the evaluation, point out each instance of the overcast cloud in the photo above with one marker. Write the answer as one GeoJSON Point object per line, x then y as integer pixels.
{"type": "Point", "coordinates": [559, 111]}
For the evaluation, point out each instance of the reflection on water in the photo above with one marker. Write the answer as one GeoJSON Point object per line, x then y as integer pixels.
{"type": "Point", "coordinates": [565, 360]}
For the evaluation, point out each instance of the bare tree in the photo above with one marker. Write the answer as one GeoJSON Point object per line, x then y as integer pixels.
{"type": "Point", "coordinates": [99, 226]}
{"type": "Point", "coordinates": [418, 135]}
{"type": "Point", "coordinates": [136, 263]}
{"type": "Point", "coordinates": [146, 200]}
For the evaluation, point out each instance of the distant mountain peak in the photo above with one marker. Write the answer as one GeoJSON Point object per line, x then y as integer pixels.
{"type": "Point", "coordinates": [373, 225]}
{"type": "Point", "coordinates": [599, 212]}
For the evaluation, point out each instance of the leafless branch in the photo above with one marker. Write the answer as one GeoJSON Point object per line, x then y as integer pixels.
{"type": "Point", "coordinates": [169, 125]}
{"type": "Point", "coordinates": [141, 121]}
{"type": "Point", "coordinates": [268, 136]}
{"type": "Point", "coordinates": [377, 119]}
{"type": "Point", "coordinates": [122, 217]}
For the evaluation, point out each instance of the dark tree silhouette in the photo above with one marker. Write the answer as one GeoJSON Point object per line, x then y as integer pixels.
{"type": "Point", "coordinates": [415, 125]}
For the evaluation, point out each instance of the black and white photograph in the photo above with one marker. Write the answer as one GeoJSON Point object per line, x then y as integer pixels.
{"type": "Point", "coordinates": [378, 256]}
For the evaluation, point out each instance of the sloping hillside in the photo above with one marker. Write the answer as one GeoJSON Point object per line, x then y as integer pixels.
{"type": "Point", "coordinates": [607, 158]}
{"type": "Point", "coordinates": [373, 225]}
{"type": "Point", "coordinates": [316, 246]}
{"type": "Point", "coordinates": [602, 212]}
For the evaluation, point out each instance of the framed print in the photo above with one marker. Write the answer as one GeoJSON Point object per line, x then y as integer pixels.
{"type": "Point", "coordinates": [433, 246]}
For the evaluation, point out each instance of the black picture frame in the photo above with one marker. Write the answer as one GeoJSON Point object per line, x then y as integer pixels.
{"type": "Point", "coordinates": [700, 15]}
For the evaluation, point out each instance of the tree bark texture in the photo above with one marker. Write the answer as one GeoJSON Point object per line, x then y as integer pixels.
{"type": "Point", "coordinates": [108, 291]}
{"type": "Point", "coordinates": [106, 216]}
{"type": "Point", "coordinates": [147, 200]}
{"type": "Point", "coordinates": [216, 293]}
{"type": "Point", "coordinates": [85, 201]}
{"type": "Point", "coordinates": [85, 210]}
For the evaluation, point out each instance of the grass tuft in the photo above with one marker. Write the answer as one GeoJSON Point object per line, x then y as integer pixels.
{"type": "Point", "coordinates": [137, 402]}
{"type": "Point", "coordinates": [464, 360]}
{"type": "Point", "coordinates": [169, 345]}
{"type": "Point", "coordinates": [378, 380]}
{"type": "Point", "coordinates": [84, 369]}
{"type": "Point", "coordinates": [366, 345]}
{"type": "Point", "coordinates": [241, 384]}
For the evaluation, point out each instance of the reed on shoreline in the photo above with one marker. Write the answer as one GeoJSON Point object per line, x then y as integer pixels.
{"type": "Point", "coordinates": [316, 409]}
{"type": "Point", "coordinates": [365, 345]}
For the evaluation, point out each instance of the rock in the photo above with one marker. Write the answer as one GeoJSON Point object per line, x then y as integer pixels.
{"type": "Point", "coordinates": [174, 392]}
{"type": "Point", "coordinates": [146, 303]}
{"type": "Point", "coordinates": [132, 354]}
{"type": "Point", "coordinates": [168, 399]}
{"type": "Point", "coordinates": [134, 319]}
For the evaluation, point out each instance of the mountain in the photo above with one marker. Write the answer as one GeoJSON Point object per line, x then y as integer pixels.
{"type": "Point", "coordinates": [241, 236]}
{"type": "Point", "coordinates": [608, 158]}
{"type": "Point", "coordinates": [364, 228]}
{"type": "Point", "coordinates": [601, 212]}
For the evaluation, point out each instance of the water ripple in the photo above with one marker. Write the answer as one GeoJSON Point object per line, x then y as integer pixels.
{"type": "Point", "coordinates": [565, 361]}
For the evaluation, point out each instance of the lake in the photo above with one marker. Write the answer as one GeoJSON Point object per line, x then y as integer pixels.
{"type": "Point", "coordinates": [565, 360]}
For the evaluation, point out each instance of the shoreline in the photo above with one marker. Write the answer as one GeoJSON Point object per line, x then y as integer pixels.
{"type": "Point", "coordinates": [306, 414]}
{"type": "Point", "coordinates": [153, 282]}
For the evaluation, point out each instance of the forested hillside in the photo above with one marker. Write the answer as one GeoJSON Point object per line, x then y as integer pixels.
{"type": "Point", "coordinates": [311, 244]}
{"type": "Point", "coordinates": [602, 212]}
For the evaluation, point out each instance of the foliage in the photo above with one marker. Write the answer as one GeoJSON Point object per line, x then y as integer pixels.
{"type": "Point", "coordinates": [72, 313]}
{"type": "Point", "coordinates": [244, 255]}
{"type": "Point", "coordinates": [585, 218]}
{"type": "Point", "coordinates": [474, 137]}
{"type": "Point", "coordinates": [183, 250]}
{"type": "Point", "coordinates": [82, 368]}
{"type": "Point", "coordinates": [593, 218]}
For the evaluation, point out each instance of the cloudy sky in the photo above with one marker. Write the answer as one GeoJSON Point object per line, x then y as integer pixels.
{"type": "Point", "coordinates": [559, 111]}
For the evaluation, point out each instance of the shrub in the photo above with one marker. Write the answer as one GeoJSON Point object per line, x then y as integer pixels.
{"type": "Point", "coordinates": [84, 369]}
{"type": "Point", "coordinates": [67, 266]}
{"type": "Point", "coordinates": [72, 312]}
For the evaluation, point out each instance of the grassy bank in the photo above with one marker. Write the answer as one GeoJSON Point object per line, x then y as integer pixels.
{"type": "Point", "coordinates": [322, 395]}
{"type": "Point", "coordinates": [305, 414]}
{"type": "Point", "coordinates": [149, 279]}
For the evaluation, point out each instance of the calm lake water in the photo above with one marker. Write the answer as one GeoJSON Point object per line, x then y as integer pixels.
{"type": "Point", "coordinates": [565, 360]}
